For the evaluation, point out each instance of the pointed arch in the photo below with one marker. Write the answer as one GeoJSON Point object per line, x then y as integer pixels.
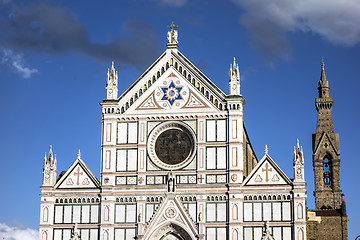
{"type": "Point", "coordinates": [106, 235]}
{"type": "Point", "coordinates": [106, 213]}
{"type": "Point", "coordinates": [170, 229]}
{"type": "Point", "coordinates": [235, 235]}
{"type": "Point", "coordinates": [44, 235]}
{"type": "Point", "coordinates": [300, 210]}
{"type": "Point", "coordinates": [45, 214]}
{"type": "Point", "coordinates": [300, 234]}
{"type": "Point", "coordinates": [235, 212]}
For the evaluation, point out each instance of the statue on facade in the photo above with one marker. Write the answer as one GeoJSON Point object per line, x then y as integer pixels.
{"type": "Point", "coordinates": [172, 35]}
{"type": "Point", "coordinates": [171, 182]}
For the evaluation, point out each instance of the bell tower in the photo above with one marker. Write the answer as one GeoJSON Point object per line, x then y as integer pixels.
{"type": "Point", "coordinates": [329, 219]}
{"type": "Point", "coordinates": [326, 151]}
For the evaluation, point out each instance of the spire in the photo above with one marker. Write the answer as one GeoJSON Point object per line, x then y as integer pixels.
{"type": "Point", "coordinates": [112, 83]}
{"type": "Point", "coordinates": [323, 76]}
{"type": "Point", "coordinates": [323, 83]}
{"type": "Point", "coordinates": [172, 37]}
{"type": "Point", "coordinates": [234, 78]}
{"type": "Point", "coordinates": [298, 163]}
{"type": "Point", "coordinates": [49, 169]}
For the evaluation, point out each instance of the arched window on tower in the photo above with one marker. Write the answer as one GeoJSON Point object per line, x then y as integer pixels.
{"type": "Point", "coordinates": [235, 235]}
{"type": "Point", "coordinates": [300, 211]}
{"type": "Point", "coordinates": [235, 212]}
{"type": "Point", "coordinates": [45, 214]}
{"type": "Point", "coordinates": [301, 234]}
{"type": "Point", "coordinates": [44, 236]}
{"type": "Point", "coordinates": [327, 173]}
{"type": "Point", "coordinates": [106, 235]}
{"type": "Point", "coordinates": [106, 213]}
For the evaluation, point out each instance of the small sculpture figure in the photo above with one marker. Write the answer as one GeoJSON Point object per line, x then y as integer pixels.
{"type": "Point", "coordinates": [173, 34]}
{"type": "Point", "coordinates": [171, 182]}
{"type": "Point", "coordinates": [75, 233]}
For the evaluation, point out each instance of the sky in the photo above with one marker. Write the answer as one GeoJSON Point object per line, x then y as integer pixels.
{"type": "Point", "coordinates": [54, 57]}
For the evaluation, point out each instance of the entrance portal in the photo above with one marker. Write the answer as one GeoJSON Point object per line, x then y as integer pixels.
{"type": "Point", "coordinates": [171, 232]}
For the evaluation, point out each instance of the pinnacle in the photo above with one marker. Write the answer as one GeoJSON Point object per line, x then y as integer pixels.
{"type": "Point", "coordinates": [323, 76]}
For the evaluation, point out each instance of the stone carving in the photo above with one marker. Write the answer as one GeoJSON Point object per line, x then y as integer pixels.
{"type": "Point", "coordinates": [173, 34]}
{"type": "Point", "coordinates": [275, 178]}
{"type": "Point", "coordinates": [170, 212]}
{"type": "Point", "coordinates": [258, 178]}
{"type": "Point", "coordinates": [69, 182]}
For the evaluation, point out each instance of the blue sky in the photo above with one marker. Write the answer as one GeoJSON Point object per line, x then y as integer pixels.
{"type": "Point", "coordinates": [54, 58]}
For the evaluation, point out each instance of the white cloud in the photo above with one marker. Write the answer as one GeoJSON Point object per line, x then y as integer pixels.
{"type": "Point", "coordinates": [17, 233]}
{"type": "Point", "coordinates": [268, 21]}
{"type": "Point", "coordinates": [16, 62]}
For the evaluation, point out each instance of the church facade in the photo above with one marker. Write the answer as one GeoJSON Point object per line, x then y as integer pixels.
{"type": "Point", "coordinates": [176, 163]}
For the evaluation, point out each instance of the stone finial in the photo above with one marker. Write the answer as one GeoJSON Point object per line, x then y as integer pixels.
{"type": "Point", "coordinates": [266, 150]}
{"type": "Point", "coordinates": [79, 154]}
{"type": "Point", "coordinates": [172, 36]}
{"type": "Point", "coordinates": [112, 83]}
{"type": "Point", "coordinates": [234, 78]}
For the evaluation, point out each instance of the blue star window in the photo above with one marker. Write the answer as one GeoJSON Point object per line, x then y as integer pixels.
{"type": "Point", "coordinates": [171, 93]}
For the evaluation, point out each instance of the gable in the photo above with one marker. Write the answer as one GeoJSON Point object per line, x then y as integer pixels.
{"type": "Point", "coordinates": [149, 91]}
{"type": "Point", "coordinates": [266, 172]}
{"type": "Point", "coordinates": [171, 93]}
{"type": "Point", "coordinates": [171, 211]}
{"type": "Point", "coordinates": [328, 144]}
{"type": "Point", "coordinates": [77, 176]}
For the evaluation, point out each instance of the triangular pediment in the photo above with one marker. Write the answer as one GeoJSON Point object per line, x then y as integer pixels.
{"type": "Point", "coordinates": [173, 84]}
{"type": "Point", "coordinates": [170, 212]}
{"type": "Point", "coordinates": [266, 172]}
{"type": "Point", "coordinates": [325, 143]}
{"type": "Point", "coordinates": [78, 176]}
{"type": "Point", "coordinates": [171, 93]}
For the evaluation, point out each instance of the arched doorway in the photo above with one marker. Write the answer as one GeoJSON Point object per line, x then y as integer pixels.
{"type": "Point", "coordinates": [171, 231]}
{"type": "Point", "coordinates": [171, 236]}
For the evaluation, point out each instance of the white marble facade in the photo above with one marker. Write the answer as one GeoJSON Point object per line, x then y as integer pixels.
{"type": "Point", "coordinates": [173, 167]}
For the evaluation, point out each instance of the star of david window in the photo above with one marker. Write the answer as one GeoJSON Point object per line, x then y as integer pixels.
{"type": "Point", "coordinates": [171, 145]}
{"type": "Point", "coordinates": [171, 93]}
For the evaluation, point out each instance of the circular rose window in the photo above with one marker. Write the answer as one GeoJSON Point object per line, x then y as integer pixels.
{"type": "Point", "coordinates": [171, 145]}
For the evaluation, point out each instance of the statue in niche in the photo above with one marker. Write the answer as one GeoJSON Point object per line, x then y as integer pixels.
{"type": "Point", "coordinates": [171, 182]}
